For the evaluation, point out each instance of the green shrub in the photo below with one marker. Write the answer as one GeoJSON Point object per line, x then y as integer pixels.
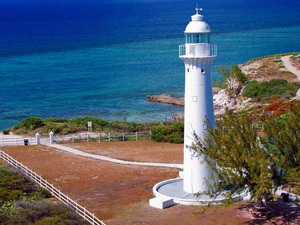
{"type": "Point", "coordinates": [41, 213]}
{"type": "Point", "coordinates": [157, 134]}
{"type": "Point", "coordinates": [55, 120]}
{"type": "Point", "coordinates": [30, 123]}
{"type": "Point", "coordinates": [45, 193]}
{"type": "Point", "coordinates": [124, 126]}
{"type": "Point", "coordinates": [6, 132]}
{"type": "Point", "coordinates": [13, 185]}
{"type": "Point", "coordinates": [270, 88]}
{"type": "Point", "coordinates": [172, 133]}
{"type": "Point", "coordinates": [83, 121]}
{"type": "Point", "coordinates": [21, 203]}
{"type": "Point", "coordinates": [61, 126]}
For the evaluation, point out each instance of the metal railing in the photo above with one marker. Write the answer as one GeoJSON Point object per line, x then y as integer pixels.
{"type": "Point", "coordinates": [81, 211]}
{"type": "Point", "coordinates": [197, 50]}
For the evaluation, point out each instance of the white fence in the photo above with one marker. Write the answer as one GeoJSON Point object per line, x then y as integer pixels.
{"type": "Point", "coordinates": [85, 214]}
{"type": "Point", "coordinates": [5, 141]}
{"type": "Point", "coordinates": [94, 137]}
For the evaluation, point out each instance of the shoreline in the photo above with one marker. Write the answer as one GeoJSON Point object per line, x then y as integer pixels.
{"type": "Point", "coordinates": [286, 63]}
{"type": "Point", "coordinates": [255, 68]}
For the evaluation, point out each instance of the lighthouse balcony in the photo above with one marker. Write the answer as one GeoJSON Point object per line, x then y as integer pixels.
{"type": "Point", "coordinates": [197, 50]}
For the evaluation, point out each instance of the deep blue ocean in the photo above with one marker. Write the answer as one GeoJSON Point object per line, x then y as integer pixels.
{"type": "Point", "coordinates": [68, 59]}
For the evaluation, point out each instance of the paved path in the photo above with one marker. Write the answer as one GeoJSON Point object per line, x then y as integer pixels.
{"type": "Point", "coordinates": [113, 160]}
{"type": "Point", "coordinates": [45, 141]}
{"type": "Point", "coordinates": [287, 63]}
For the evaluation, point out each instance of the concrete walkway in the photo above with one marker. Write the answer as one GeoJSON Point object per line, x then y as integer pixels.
{"type": "Point", "coordinates": [287, 63]}
{"type": "Point", "coordinates": [113, 160]}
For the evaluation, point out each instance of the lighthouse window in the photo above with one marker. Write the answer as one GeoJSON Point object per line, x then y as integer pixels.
{"type": "Point", "coordinates": [203, 38]}
{"type": "Point", "coordinates": [202, 70]}
{"type": "Point", "coordinates": [198, 38]}
{"type": "Point", "coordinates": [208, 38]}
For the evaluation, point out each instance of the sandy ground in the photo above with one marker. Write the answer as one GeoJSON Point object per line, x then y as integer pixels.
{"type": "Point", "coordinates": [119, 194]}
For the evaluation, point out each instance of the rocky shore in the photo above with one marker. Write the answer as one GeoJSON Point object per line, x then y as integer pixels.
{"type": "Point", "coordinates": [165, 98]}
{"type": "Point", "coordinates": [262, 69]}
{"type": "Point", "coordinates": [168, 99]}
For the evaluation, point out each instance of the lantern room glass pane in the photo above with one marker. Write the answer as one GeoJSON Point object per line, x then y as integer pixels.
{"type": "Point", "coordinates": [197, 38]}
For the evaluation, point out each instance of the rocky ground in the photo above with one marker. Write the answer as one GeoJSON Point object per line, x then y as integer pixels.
{"type": "Point", "coordinates": [119, 194]}
{"type": "Point", "coordinates": [261, 69]}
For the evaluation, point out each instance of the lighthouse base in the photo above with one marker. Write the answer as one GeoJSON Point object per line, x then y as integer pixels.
{"type": "Point", "coordinates": [170, 192]}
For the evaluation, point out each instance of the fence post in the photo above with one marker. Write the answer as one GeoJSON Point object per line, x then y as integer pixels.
{"type": "Point", "coordinates": [108, 136]}
{"type": "Point", "coordinates": [136, 135]}
{"type": "Point", "coordinates": [38, 138]}
{"type": "Point", "coordinates": [123, 136]}
{"type": "Point", "coordinates": [51, 137]}
{"type": "Point", "coordinates": [99, 137]}
{"type": "Point", "coordinates": [87, 137]}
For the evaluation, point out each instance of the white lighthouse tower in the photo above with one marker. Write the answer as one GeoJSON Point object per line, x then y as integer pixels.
{"type": "Point", "coordinates": [197, 54]}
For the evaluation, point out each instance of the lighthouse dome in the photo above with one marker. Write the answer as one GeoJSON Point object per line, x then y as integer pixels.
{"type": "Point", "coordinates": [197, 25]}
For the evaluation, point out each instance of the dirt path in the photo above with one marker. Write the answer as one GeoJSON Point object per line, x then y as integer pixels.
{"type": "Point", "coordinates": [287, 63]}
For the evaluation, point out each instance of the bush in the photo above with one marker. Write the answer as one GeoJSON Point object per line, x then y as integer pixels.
{"type": "Point", "coordinates": [41, 213]}
{"type": "Point", "coordinates": [157, 134]}
{"type": "Point", "coordinates": [125, 126]}
{"type": "Point", "coordinates": [172, 133]}
{"type": "Point", "coordinates": [83, 121]}
{"type": "Point", "coordinates": [267, 89]}
{"type": "Point", "coordinates": [6, 132]}
{"type": "Point", "coordinates": [21, 202]}
{"type": "Point", "coordinates": [55, 120]}
{"type": "Point", "coordinates": [30, 123]}
{"type": "Point", "coordinates": [45, 193]}
{"type": "Point", "coordinates": [14, 185]}
{"type": "Point", "coordinates": [63, 126]}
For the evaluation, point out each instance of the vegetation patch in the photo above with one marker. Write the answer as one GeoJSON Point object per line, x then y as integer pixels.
{"type": "Point", "coordinates": [23, 202]}
{"type": "Point", "coordinates": [172, 133]}
{"type": "Point", "coordinates": [62, 126]}
{"type": "Point", "coordinates": [261, 155]}
{"type": "Point", "coordinates": [269, 88]}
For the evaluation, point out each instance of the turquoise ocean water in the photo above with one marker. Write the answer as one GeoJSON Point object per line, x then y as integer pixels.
{"type": "Point", "coordinates": [85, 58]}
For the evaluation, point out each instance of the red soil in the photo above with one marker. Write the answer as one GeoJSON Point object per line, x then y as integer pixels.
{"type": "Point", "coordinates": [119, 194]}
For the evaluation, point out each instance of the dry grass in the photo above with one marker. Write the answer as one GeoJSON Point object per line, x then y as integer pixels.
{"type": "Point", "coordinates": [268, 68]}
{"type": "Point", "coordinates": [119, 194]}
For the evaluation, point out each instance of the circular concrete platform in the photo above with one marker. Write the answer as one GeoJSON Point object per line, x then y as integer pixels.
{"type": "Point", "coordinates": [173, 189]}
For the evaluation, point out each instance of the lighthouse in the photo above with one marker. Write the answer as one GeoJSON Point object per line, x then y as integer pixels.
{"type": "Point", "coordinates": [197, 54]}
